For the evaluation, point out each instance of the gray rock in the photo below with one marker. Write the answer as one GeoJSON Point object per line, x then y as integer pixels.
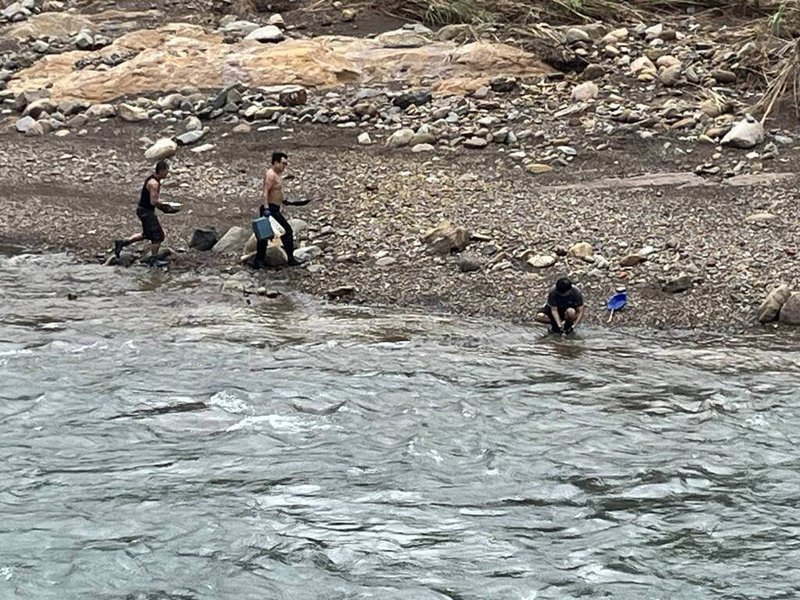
{"type": "Point", "coordinates": [190, 137]}
{"type": "Point", "coordinates": [40, 46]}
{"type": "Point", "coordinates": [364, 139]}
{"type": "Point", "coordinates": [307, 253]}
{"type": "Point", "coordinates": [587, 90]}
{"type": "Point", "coordinates": [468, 263]}
{"type": "Point", "coordinates": [240, 27]}
{"type": "Point", "coordinates": [771, 307]}
{"type": "Point", "coordinates": [475, 143]}
{"type": "Point", "coordinates": [790, 311]}
{"type": "Point", "coordinates": [70, 108]}
{"type": "Point", "coordinates": [233, 240]}
{"type": "Point", "coordinates": [84, 40]}
{"type": "Point", "coordinates": [400, 138]}
{"type": "Point", "coordinates": [446, 238]}
{"type": "Point", "coordinates": [204, 239]}
{"type": "Point", "coordinates": [29, 126]}
{"type": "Point", "coordinates": [680, 284]}
{"type": "Point", "coordinates": [575, 35]}
{"type": "Point", "coordinates": [101, 111]}
{"type": "Point", "coordinates": [421, 148]}
{"type": "Point", "coordinates": [39, 107]}
{"type": "Point", "coordinates": [343, 291]}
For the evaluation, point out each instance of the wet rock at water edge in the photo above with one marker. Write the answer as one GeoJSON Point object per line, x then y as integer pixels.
{"type": "Point", "coordinates": [204, 239]}
{"type": "Point", "coordinates": [790, 311]}
{"type": "Point", "coordinates": [771, 307]}
{"type": "Point", "coordinates": [343, 291]}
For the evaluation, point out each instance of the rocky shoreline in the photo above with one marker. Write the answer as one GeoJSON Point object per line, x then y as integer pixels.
{"type": "Point", "coordinates": [641, 170]}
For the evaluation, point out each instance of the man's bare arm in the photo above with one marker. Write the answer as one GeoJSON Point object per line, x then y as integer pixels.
{"type": "Point", "coordinates": [581, 310]}
{"type": "Point", "coordinates": [155, 194]}
{"type": "Point", "coordinates": [269, 182]}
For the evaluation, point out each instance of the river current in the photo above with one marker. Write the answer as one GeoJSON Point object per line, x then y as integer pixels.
{"type": "Point", "coordinates": [163, 439]}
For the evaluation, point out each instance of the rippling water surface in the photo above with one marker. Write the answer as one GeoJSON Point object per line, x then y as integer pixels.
{"type": "Point", "coordinates": [162, 439]}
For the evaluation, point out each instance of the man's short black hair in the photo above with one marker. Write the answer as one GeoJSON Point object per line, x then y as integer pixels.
{"type": "Point", "coordinates": [162, 166]}
{"type": "Point", "coordinates": [278, 157]}
{"type": "Point", "coordinates": [563, 285]}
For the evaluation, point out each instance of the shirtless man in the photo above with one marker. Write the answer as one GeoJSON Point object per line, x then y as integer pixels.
{"type": "Point", "coordinates": [272, 196]}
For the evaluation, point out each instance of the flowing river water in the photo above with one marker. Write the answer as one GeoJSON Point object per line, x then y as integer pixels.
{"type": "Point", "coordinates": [162, 439]}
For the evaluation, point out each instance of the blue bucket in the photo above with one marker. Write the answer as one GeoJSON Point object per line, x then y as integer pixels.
{"type": "Point", "coordinates": [262, 229]}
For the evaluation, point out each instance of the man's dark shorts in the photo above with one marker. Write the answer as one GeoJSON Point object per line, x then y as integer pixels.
{"type": "Point", "coordinates": [151, 228]}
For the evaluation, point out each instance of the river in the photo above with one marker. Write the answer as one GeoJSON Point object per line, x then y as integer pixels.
{"type": "Point", "coordinates": [163, 439]}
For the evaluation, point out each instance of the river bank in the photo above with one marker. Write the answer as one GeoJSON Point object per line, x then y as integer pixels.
{"type": "Point", "coordinates": [370, 208]}
{"type": "Point", "coordinates": [613, 164]}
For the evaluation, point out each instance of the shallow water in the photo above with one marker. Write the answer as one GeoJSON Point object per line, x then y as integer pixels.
{"type": "Point", "coordinates": [162, 439]}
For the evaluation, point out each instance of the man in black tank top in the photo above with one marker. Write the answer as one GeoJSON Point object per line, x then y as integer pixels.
{"type": "Point", "coordinates": [149, 201]}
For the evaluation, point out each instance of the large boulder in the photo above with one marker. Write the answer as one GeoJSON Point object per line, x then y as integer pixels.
{"type": "Point", "coordinates": [204, 239]}
{"type": "Point", "coordinates": [233, 240]}
{"type": "Point", "coordinates": [446, 238]}
{"type": "Point", "coordinates": [745, 134]}
{"type": "Point", "coordinates": [771, 307]}
{"type": "Point", "coordinates": [163, 148]}
{"type": "Point", "coordinates": [790, 311]}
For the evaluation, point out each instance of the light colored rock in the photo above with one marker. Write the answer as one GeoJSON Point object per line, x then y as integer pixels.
{"type": "Point", "coordinates": [542, 261]}
{"type": "Point", "coordinates": [400, 138]}
{"type": "Point", "coordinates": [771, 307]}
{"type": "Point", "coordinates": [446, 238]}
{"type": "Point", "coordinates": [642, 64]}
{"type": "Point", "coordinates": [29, 126]}
{"type": "Point", "coordinates": [240, 27]}
{"type": "Point", "coordinates": [537, 168]}
{"type": "Point", "coordinates": [678, 285]}
{"type": "Point", "coordinates": [242, 128]}
{"type": "Point", "coordinates": [203, 148]}
{"type": "Point", "coordinates": [761, 217]}
{"type": "Point", "coordinates": [132, 114]}
{"type": "Point", "coordinates": [475, 143]}
{"type": "Point", "coordinates": [180, 52]}
{"type": "Point", "coordinates": [163, 148]}
{"type": "Point", "coordinates": [669, 76]}
{"type": "Point", "coordinates": [403, 38]}
{"type": "Point", "coordinates": [277, 21]}
{"type": "Point", "coordinates": [269, 34]}
{"type": "Point", "coordinates": [364, 139]}
{"type": "Point", "coordinates": [233, 240]}
{"type": "Point", "coordinates": [307, 253]}
{"type": "Point", "coordinates": [747, 133]}
{"type": "Point", "coordinates": [192, 124]}
{"type": "Point", "coordinates": [575, 35]}
{"type": "Point", "coordinates": [101, 111]}
{"type": "Point", "coordinates": [582, 250]}
{"type": "Point", "coordinates": [421, 148]}
{"type": "Point", "coordinates": [587, 90]}
{"type": "Point", "coordinates": [790, 311]}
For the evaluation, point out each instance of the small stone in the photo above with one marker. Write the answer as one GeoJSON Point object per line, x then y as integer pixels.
{"type": "Point", "coordinates": [364, 139]}
{"type": "Point", "coordinates": [203, 148]}
{"type": "Point", "coordinates": [204, 240]}
{"type": "Point", "coordinates": [29, 126]}
{"type": "Point", "coordinates": [632, 260]}
{"type": "Point", "coordinates": [593, 71]}
{"type": "Point", "coordinates": [84, 40]}
{"type": "Point", "coordinates": [101, 111]}
{"type": "Point", "coordinates": [420, 148]}
{"type": "Point", "coordinates": [132, 114]}
{"type": "Point", "coordinates": [582, 250]}
{"type": "Point", "coordinates": [537, 168]}
{"type": "Point", "coordinates": [542, 261]}
{"type": "Point", "coordinates": [242, 128]}
{"type": "Point", "coordinates": [575, 35]}
{"type": "Point", "coordinates": [678, 285]}
{"type": "Point", "coordinates": [762, 217]}
{"type": "Point", "coordinates": [475, 143]}
{"type": "Point", "coordinates": [771, 307]}
{"type": "Point", "coordinates": [747, 133]}
{"type": "Point", "coordinates": [400, 138]}
{"type": "Point", "coordinates": [723, 76]}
